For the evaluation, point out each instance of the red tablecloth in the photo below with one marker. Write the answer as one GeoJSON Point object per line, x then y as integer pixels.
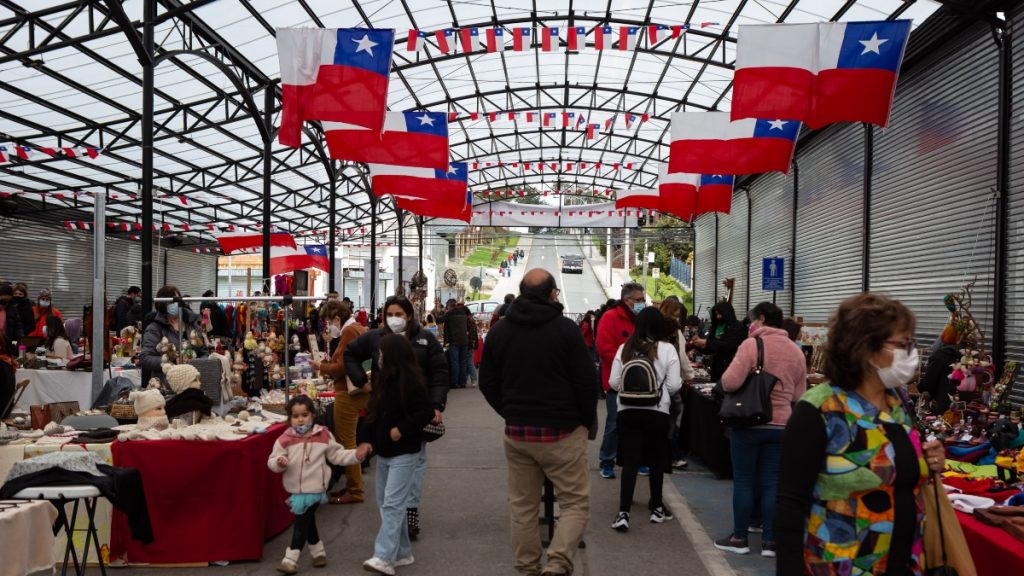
{"type": "Point", "coordinates": [994, 551]}
{"type": "Point", "coordinates": [208, 501]}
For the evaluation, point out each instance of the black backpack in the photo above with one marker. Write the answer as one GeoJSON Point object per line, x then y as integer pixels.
{"type": "Point", "coordinates": [639, 385]}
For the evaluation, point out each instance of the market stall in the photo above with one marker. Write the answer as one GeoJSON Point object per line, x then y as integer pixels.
{"type": "Point", "coordinates": [708, 439]}
{"type": "Point", "coordinates": [49, 386]}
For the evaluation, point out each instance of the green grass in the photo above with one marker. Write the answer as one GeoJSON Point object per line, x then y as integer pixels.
{"type": "Point", "coordinates": [664, 287]}
{"type": "Point", "coordinates": [478, 296]}
{"type": "Point", "coordinates": [490, 255]}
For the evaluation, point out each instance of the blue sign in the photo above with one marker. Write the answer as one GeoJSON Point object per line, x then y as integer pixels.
{"type": "Point", "coordinates": [773, 274]}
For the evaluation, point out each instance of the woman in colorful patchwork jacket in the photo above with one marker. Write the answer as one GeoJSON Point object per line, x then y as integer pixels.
{"type": "Point", "coordinates": [849, 494]}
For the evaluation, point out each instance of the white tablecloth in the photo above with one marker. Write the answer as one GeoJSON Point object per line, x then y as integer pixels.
{"type": "Point", "coordinates": [63, 386]}
{"type": "Point", "coordinates": [28, 542]}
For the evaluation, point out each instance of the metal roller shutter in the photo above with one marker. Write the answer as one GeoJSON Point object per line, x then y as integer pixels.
{"type": "Point", "coordinates": [192, 273]}
{"type": "Point", "coordinates": [828, 234]}
{"type": "Point", "coordinates": [704, 265]}
{"type": "Point", "coordinates": [932, 206]}
{"type": "Point", "coordinates": [771, 232]}
{"type": "Point", "coordinates": [1015, 256]}
{"type": "Point", "coordinates": [732, 250]}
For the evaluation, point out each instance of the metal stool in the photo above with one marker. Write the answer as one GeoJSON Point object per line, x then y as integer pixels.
{"type": "Point", "coordinates": [59, 496]}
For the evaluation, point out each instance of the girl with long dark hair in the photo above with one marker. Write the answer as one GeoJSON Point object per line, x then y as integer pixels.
{"type": "Point", "coordinates": [399, 409]}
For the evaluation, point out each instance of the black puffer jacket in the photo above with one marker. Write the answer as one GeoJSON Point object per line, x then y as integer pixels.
{"type": "Point", "coordinates": [456, 327]}
{"type": "Point", "coordinates": [160, 328]}
{"type": "Point", "coordinates": [723, 348]}
{"type": "Point", "coordinates": [429, 355]}
{"type": "Point", "coordinates": [536, 369]}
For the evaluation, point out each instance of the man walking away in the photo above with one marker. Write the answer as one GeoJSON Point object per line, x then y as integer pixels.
{"type": "Point", "coordinates": [123, 308]}
{"type": "Point", "coordinates": [548, 404]}
{"type": "Point", "coordinates": [615, 327]}
{"type": "Point", "coordinates": [456, 335]}
{"type": "Point", "coordinates": [218, 318]}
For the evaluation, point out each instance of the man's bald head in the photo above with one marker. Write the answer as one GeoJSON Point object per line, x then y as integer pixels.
{"type": "Point", "coordinates": [538, 282]}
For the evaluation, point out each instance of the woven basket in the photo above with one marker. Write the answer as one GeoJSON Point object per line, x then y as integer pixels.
{"type": "Point", "coordinates": [275, 408]}
{"type": "Point", "coordinates": [123, 412]}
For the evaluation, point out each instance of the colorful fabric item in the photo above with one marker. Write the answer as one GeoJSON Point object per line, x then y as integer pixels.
{"type": "Point", "coordinates": [300, 503]}
{"type": "Point", "coordinates": [536, 433]}
{"type": "Point", "coordinates": [851, 520]}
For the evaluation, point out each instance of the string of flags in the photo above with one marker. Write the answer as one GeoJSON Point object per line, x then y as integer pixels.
{"type": "Point", "coordinates": [578, 211]}
{"type": "Point", "coordinates": [522, 192]}
{"type": "Point", "coordinates": [26, 153]}
{"type": "Point", "coordinates": [565, 119]}
{"type": "Point", "coordinates": [547, 38]}
{"type": "Point", "coordinates": [557, 166]}
{"type": "Point", "coordinates": [80, 193]}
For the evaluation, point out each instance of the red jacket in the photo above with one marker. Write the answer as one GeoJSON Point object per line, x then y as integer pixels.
{"type": "Point", "coordinates": [588, 334]}
{"type": "Point", "coordinates": [615, 327]}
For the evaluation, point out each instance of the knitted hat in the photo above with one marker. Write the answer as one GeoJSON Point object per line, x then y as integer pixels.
{"type": "Point", "coordinates": [181, 377]}
{"type": "Point", "coordinates": [44, 293]}
{"type": "Point", "coordinates": [146, 400]}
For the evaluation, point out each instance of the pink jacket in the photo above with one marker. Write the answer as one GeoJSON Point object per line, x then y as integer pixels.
{"type": "Point", "coordinates": [307, 471]}
{"type": "Point", "coordinates": [781, 359]}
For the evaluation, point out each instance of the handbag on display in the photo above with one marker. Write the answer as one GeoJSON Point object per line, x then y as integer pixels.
{"type": "Point", "coordinates": [751, 404]}
{"type": "Point", "coordinates": [39, 416]}
{"type": "Point", "coordinates": [61, 410]}
{"type": "Point", "coordinates": [945, 548]}
{"type": "Point", "coordinates": [433, 431]}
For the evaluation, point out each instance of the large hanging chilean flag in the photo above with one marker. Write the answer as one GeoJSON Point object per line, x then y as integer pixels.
{"type": "Point", "coordinates": [456, 207]}
{"type": "Point", "coordinates": [819, 73]}
{"type": "Point", "coordinates": [252, 241]}
{"type": "Point", "coordinates": [409, 139]}
{"type": "Point", "coordinates": [638, 198]}
{"type": "Point", "coordinates": [283, 259]}
{"type": "Point", "coordinates": [423, 183]}
{"type": "Point", "coordinates": [339, 75]}
{"type": "Point", "coordinates": [709, 143]}
{"type": "Point", "coordinates": [677, 193]}
{"type": "Point", "coordinates": [715, 193]}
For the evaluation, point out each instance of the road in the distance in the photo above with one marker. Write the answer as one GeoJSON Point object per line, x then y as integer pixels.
{"type": "Point", "coordinates": [580, 292]}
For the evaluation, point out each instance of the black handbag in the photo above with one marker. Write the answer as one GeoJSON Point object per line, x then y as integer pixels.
{"type": "Point", "coordinates": [751, 405]}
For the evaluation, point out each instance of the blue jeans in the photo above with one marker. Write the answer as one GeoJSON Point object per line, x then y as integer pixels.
{"type": "Point", "coordinates": [610, 441]}
{"type": "Point", "coordinates": [394, 487]}
{"type": "Point", "coordinates": [457, 366]}
{"type": "Point", "coordinates": [756, 453]}
{"type": "Point", "coordinates": [417, 477]}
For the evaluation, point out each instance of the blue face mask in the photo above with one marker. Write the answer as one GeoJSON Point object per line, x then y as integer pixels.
{"type": "Point", "coordinates": [172, 309]}
{"type": "Point", "coordinates": [302, 428]}
{"type": "Point", "coordinates": [638, 307]}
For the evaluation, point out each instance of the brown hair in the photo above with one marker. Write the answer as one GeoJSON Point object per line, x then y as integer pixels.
{"type": "Point", "coordinates": [859, 329]}
{"type": "Point", "coordinates": [335, 309]}
{"type": "Point", "coordinates": [792, 327]}
{"type": "Point", "coordinates": [674, 311]}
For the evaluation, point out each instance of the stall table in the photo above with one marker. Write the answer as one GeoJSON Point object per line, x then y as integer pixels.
{"type": "Point", "coordinates": [209, 501]}
{"type": "Point", "coordinates": [48, 386]}
{"type": "Point", "coordinates": [993, 550]}
{"type": "Point", "coordinates": [28, 542]}
{"type": "Point", "coordinates": [707, 437]}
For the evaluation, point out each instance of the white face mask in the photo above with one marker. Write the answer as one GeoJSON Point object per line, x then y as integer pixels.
{"type": "Point", "coordinates": [333, 331]}
{"type": "Point", "coordinates": [396, 324]}
{"type": "Point", "coordinates": [903, 368]}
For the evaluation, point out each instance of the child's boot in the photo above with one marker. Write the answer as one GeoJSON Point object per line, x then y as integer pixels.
{"type": "Point", "coordinates": [290, 563]}
{"type": "Point", "coordinates": [319, 554]}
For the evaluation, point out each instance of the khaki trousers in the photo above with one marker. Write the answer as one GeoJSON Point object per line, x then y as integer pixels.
{"type": "Point", "coordinates": [346, 418]}
{"type": "Point", "coordinates": [565, 464]}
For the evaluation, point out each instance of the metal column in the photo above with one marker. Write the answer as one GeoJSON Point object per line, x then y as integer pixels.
{"type": "Point", "coordinates": [792, 251]}
{"type": "Point", "coordinates": [865, 253]}
{"type": "Point", "coordinates": [401, 250]}
{"type": "Point", "coordinates": [332, 238]}
{"type": "Point", "coordinates": [268, 117]}
{"type": "Point", "coordinates": [99, 258]}
{"type": "Point", "coordinates": [373, 255]}
{"type": "Point", "coordinates": [147, 160]}
{"type": "Point", "coordinates": [1004, 40]}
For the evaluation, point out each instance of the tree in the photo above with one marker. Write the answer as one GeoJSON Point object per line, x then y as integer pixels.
{"type": "Point", "coordinates": [666, 239]}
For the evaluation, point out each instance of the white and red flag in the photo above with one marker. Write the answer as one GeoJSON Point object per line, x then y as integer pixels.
{"type": "Point", "coordinates": [709, 143]}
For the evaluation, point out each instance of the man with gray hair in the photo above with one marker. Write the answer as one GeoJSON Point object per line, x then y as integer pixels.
{"type": "Point", "coordinates": [615, 328]}
{"type": "Point", "coordinates": [548, 404]}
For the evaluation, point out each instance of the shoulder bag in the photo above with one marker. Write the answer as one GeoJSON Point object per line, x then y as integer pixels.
{"type": "Point", "coordinates": [751, 405]}
{"type": "Point", "coordinates": [945, 547]}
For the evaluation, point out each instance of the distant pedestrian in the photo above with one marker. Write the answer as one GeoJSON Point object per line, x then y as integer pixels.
{"type": "Point", "coordinates": [500, 312]}
{"type": "Point", "coordinates": [548, 403]}
{"type": "Point", "coordinates": [587, 329]}
{"type": "Point", "coordinates": [456, 337]}
{"type": "Point", "coordinates": [123, 307]}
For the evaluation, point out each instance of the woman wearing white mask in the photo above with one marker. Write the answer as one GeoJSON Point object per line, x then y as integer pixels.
{"type": "Point", "coordinates": [399, 318]}
{"type": "Point", "coordinates": [165, 324]}
{"type": "Point", "coordinates": [343, 329]}
{"type": "Point", "coordinates": [853, 466]}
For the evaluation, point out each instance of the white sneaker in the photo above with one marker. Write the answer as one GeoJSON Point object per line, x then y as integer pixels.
{"type": "Point", "coordinates": [379, 566]}
{"type": "Point", "coordinates": [404, 561]}
{"type": "Point", "coordinates": [660, 514]}
{"type": "Point", "coordinates": [621, 522]}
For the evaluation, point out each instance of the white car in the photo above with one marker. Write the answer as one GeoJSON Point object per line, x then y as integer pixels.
{"type": "Point", "coordinates": [483, 309]}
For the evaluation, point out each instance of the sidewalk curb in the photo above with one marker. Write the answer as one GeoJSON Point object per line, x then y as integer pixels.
{"type": "Point", "coordinates": [600, 281]}
{"type": "Point", "coordinates": [713, 559]}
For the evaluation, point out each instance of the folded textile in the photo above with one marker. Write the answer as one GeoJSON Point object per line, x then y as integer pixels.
{"type": "Point", "coordinates": [986, 487]}
{"type": "Point", "coordinates": [967, 503]}
{"type": "Point", "coordinates": [97, 436]}
{"type": "Point", "coordinates": [83, 462]}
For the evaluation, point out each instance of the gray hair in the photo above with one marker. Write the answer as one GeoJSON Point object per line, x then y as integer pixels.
{"type": "Point", "coordinates": [630, 287]}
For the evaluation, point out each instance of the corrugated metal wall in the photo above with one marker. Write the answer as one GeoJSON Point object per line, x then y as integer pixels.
{"type": "Point", "coordinates": [42, 256]}
{"type": "Point", "coordinates": [828, 233]}
{"type": "Point", "coordinates": [1015, 257]}
{"type": "Point", "coordinates": [933, 207]}
{"type": "Point", "coordinates": [704, 264]}
{"type": "Point", "coordinates": [732, 250]}
{"type": "Point", "coordinates": [771, 232]}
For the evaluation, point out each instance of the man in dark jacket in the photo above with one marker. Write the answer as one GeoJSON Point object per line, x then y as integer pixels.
{"type": "Point", "coordinates": [218, 318]}
{"type": "Point", "coordinates": [123, 307]}
{"type": "Point", "coordinates": [725, 336]}
{"type": "Point", "coordinates": [548, 404]}
{"type": "Point", "coordinates": [26, 314]}
{"type": "Point", "coordinates": [13, 330]}
{"type": "Point", "coordinates": [456, 336]}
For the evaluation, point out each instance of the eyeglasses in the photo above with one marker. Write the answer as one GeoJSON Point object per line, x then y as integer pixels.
{"type": "Point", "coordinates": [907, 345]}
{"type": "Point", "coordinates": [558, 291]}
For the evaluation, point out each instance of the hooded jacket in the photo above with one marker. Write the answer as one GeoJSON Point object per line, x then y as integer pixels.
{"type": "Point", "coordinates": [536, 370]}
{"type": "Point", "coordinates": [160, 328]}
{"type": "Point", "coordinates": [615, 327]}
{"type": "Point", "coordinates": [723, 348]}
{"type": "Point", "coordinates": [307, 471]}
{"type": "Point", "coordinates": [429, 355]}
{"type": "Point", "coordinates": [456, 327]}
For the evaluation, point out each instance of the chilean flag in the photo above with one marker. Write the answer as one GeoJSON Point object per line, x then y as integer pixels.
{"type": "Point", "coordinates": [284, 259]}
{"type": "Point", "coordinates": [521, 39]}
{"type": "Point", "coordinates": [252, 241]}
{"type": "Point", "coordinates": [416, 41]}
{"type": "Point", "coordinates": [627, 37]}
{"type": "Point", "coordinates": [715, 193]}
{"type": "Point", "coordinates": [592, 130]}
{"type": "Point", "coordinates": [338, 75]}
{"type": "Point", "coordinates": [819, 73]}
{"type": "Point", "coordinates": [422, 183]}
{"type": "Point", "coordinates": [600, 34]}
{"type": "Point", "coordinates": [575, 33]}
{"type": "Point", "coordinates": [445, 39]}
{"type": "Point", "coordinates": [469, 37]}
{"type": "Point", "coordinates": [549, 40]}
{"type": "Point", "coordinates": [677, 193]}
{"type": "Point", "coordinates": [708, 143]}
{"type": "Point", "coordinates": [657, 33]}
{"type": "Point", "coordinates": [409, 139]}
{"type": "Point", "coordinates": [495, 40]}
{"type": "Point", "coordinates": [638, 198]}
{"type": "Point", "coordinates": [457, 207]}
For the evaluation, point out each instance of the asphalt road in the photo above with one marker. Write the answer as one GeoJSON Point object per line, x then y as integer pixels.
{"type": "Point", "coordinates": [580, 292]}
